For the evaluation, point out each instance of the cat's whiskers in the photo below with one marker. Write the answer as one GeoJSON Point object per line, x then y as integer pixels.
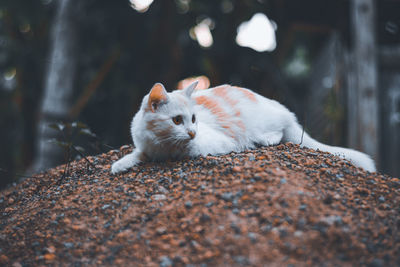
{"type": "Point", "coordinates": [173, 140]}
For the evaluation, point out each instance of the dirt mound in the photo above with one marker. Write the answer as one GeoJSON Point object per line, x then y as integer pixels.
{"type": "Point", "coordinates": [276, 205]}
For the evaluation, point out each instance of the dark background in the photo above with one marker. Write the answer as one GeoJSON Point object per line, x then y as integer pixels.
{"type": "Point", "coordinates": [119, 53]}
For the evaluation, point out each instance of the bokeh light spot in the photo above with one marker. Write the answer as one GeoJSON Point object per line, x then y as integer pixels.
{"type": "Point", "coordinates": [141, 5]}
{"type": "Point", "coordinates": [258, 33]}
{"type": "Point", "coordinates": [202, 33]}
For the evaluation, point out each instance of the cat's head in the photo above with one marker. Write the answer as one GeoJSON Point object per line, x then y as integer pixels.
{"type": "Point", "coordinates": [170, 116]}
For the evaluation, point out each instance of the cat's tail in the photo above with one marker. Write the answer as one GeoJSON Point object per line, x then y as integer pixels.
{"type": "Point", "coordinates": [294, 133]}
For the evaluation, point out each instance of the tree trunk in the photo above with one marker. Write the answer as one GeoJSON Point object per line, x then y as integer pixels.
{"type": "Point", "coordinates": [365, 67]}
{"type": "Point", "coordinates": [58, 89]}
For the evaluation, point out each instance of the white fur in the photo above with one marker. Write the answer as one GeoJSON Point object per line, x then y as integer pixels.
{"type": "Point", "coordinates": [266, 122]}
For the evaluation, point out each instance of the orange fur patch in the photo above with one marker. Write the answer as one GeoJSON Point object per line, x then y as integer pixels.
{"type": "Point", "coordinates": [212, 105]}
{"type": "Point", "coordinates": [224, 119]}
{"type": "Point", "coordinates": [222, 91]}
{"type": "Point", "coordinates": [251, 96]}
{"type": "Point", "coordinates": [157, 95]}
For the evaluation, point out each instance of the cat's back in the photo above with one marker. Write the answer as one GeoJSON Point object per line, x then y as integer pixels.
{"type": "Point", "coordinates": [226, 94]}
{"type": "Point", "coordinates": [224, 97]}
{"type": "Point", "coordinates": [227, 100]}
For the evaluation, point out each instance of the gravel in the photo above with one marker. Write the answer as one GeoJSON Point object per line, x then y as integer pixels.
{"type": "Point", "coordinates": [280, 205]}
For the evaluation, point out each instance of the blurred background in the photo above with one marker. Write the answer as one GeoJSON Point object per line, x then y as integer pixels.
{"type": "Point", "coordinates": [73, 73]}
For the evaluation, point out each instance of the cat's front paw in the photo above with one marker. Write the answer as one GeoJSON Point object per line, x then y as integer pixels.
{"type": "Point", "coordinates": [118, 167]}
{"type": "Point", "coordinates": [126, 162]}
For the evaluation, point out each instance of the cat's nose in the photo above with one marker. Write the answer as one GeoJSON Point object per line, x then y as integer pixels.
{"type": "Point", "coordinates": [191, 134]}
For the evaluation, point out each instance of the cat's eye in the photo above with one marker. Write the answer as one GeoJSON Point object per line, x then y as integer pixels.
{"type": "Point", "coordinates": [177, 119]}
{"type": "Point", "coordinates": [193, 118]}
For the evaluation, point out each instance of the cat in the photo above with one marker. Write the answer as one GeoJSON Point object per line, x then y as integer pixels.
{"type": "Point", "coordinates": [219, 120]}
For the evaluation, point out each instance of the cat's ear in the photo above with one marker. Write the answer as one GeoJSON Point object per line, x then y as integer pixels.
{"type": "Point", "coordinates": [158, 95]}
{"type": "Point", "coordinates": [189, 90]}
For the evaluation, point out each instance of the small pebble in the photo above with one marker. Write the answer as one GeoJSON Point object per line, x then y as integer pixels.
{"type": "Point", "coordinates": [161, 230]}
{"type": "Point", "coordinates": [68, 245]}
{"type": "Point", "coordinates": [159, 197]}
{"type": "Point", "coordinates": [303, 207]}
{"type": "Point", "coordinates": [209, 204]}
{"type": "Point", "coordinates": [106, 206]}
{"type": "Point", "coordinates": [236, 169]}
{"type": "Point", "coordinates": [252, 236]}
{"type": "Point", "coordinates": [242, 260]}
{"type": "Point", "coordinates": [328, 199]}
{"type": "Point", "coordinates": [188, 204]}
{"type": "Point", "coordinates": [227, 196]}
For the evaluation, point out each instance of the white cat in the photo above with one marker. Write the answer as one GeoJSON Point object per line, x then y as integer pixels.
{"type": "Point", "coordinates": [215, 121]}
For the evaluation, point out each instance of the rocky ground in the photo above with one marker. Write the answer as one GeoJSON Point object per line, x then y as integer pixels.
{"type": "Point", "coordinates": [280, 205]}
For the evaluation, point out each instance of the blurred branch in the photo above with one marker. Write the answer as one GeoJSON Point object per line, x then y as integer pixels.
{"type": "Point", "coordinates": [94, 84]}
